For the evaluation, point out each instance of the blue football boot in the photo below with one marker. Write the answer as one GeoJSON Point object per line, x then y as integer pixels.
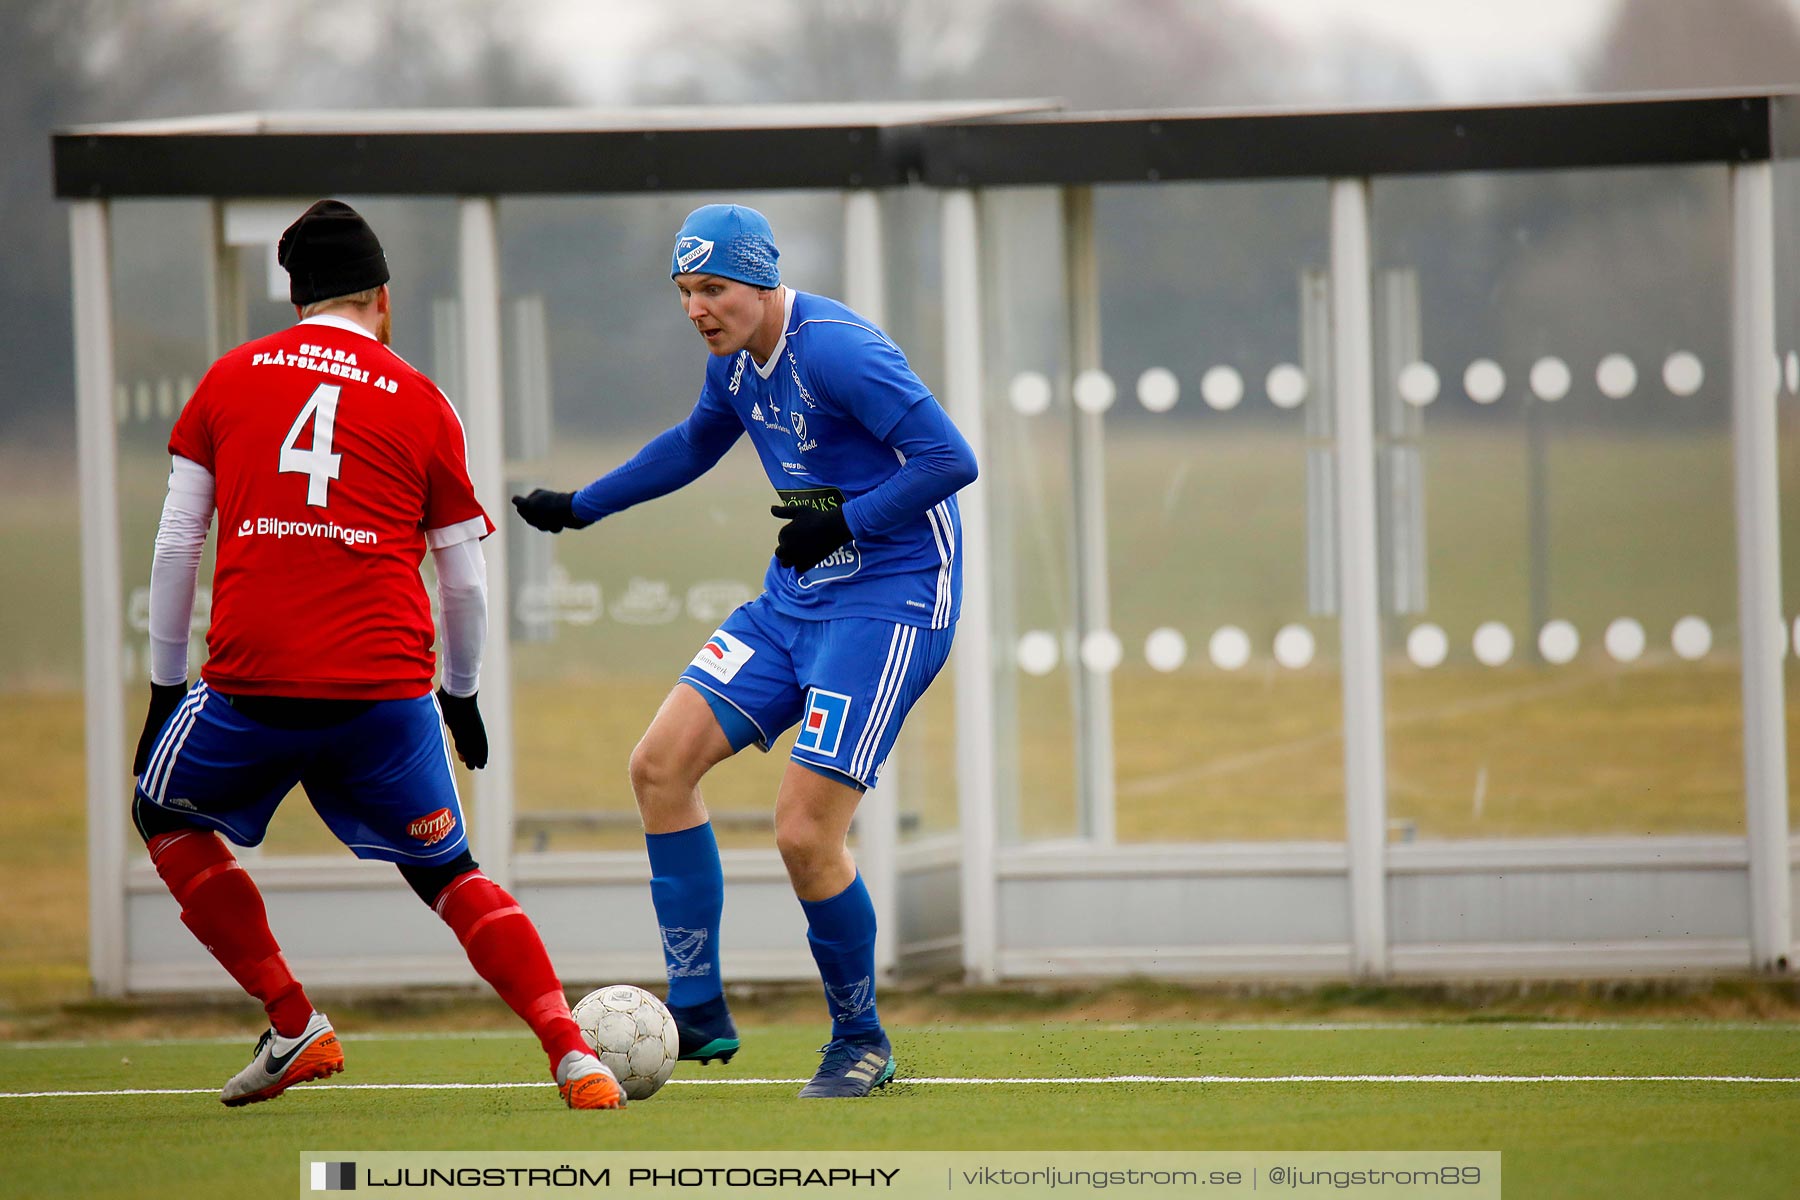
{"type": "Point", "coordinates": [707, 1031]}
{"type": "Point", "coordinates": [852, 1068]}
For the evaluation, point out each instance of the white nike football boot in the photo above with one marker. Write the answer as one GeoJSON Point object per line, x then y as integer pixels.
{"type": "Point", "coordinates": [280, 1063]}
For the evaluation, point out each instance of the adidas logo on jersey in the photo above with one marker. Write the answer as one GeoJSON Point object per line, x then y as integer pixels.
{"type": "Point", "coordinates": [756, 412]}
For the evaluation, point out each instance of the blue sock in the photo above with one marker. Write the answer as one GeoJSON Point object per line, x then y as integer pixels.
{"type": "Point", "coordinates": [687, 886]}
{"type": "Point", "coordinates": [841, 932]}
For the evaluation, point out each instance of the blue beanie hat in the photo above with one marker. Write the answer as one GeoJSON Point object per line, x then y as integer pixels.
{"type": "Point", "coordinates": [728, 240]}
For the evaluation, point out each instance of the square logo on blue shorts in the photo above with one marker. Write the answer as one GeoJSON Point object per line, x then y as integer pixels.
{"type": "Point", "coordinates": [822, 725]}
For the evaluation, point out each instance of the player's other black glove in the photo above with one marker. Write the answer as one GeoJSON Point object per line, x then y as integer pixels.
{"type": "Point", "coordinates": [549, 511]}
{"type": "Point", "coordinates": [463, 719]}
{"type": "Point", "coordinates": [165, 698]}
{"type": "Point", "coordinates": [810, 535]}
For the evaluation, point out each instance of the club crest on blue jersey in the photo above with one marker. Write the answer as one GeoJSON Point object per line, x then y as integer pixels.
{"type": "Point", "coordinates": [822, 725]}
{"type": "Point", "coordinates": [691, 253]}
{"type": "Point", "coordinates": [800, 432]}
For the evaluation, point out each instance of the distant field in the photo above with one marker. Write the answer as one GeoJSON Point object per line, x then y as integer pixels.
{"type": "Point", "coordinates": [1209, 530]}
{"type": "Point", "coordinates": [1614, 1130]}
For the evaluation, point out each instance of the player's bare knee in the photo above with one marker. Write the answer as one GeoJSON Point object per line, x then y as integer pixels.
{"type": "Point", "coordinates": [654, 769]}
{"type": "Point", "coordinates": [802, 861]}
{"type": "Point", "coordinates": [803, 841]}
{"type": "Point", "coordinates": [639, 768]}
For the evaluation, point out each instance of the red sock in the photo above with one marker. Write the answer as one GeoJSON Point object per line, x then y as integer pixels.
{"type": "Point", "coordinates": [220, 904]}
{"type": "Point", "coordinates": [505, 949]}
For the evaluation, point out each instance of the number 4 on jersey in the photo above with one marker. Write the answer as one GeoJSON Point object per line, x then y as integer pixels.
{"type": "Point", "coordinates": [319, 464]}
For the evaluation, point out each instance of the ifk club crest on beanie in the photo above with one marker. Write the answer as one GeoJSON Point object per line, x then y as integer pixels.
{"type": "Point", "coordinates": [728, 240]}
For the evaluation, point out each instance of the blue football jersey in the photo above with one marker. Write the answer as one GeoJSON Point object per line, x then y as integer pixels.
{"type": "Point", "coordinates": [817, 412]}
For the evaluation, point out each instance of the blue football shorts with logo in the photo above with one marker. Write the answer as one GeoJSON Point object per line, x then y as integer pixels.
{"type": "Point", "coordinates": [848, 683]}
{"type": "Point", "coordinates": [381, 780]}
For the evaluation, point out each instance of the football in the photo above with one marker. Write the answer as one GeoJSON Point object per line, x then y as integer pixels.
{"type": "Point", "coordinates": [634, 1035]}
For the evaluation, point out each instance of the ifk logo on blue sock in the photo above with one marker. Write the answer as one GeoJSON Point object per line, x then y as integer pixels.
{"type": "Point", "coordinates": [683, 947]}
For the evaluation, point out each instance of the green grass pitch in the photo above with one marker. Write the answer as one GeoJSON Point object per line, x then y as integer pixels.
{"type": "Point", "coordinates": [1638, 1137]}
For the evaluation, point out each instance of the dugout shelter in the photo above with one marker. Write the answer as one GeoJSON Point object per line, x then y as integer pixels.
{"type": "Point", "coordinates": [1345, 566]}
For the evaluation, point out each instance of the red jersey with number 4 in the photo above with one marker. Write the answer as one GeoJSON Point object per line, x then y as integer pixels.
{"type": "Point", "coordinates": [336, 464]}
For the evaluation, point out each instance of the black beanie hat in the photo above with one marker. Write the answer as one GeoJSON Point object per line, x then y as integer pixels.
{"type": "Point", "coordinates": [330, 251]}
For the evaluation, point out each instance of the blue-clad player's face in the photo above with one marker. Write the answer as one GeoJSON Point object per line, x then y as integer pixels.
{"type": "Point", "coordinates": [730, 315]}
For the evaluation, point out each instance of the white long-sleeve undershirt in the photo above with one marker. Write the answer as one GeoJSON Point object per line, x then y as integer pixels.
{"type": "Point", "coordinates": [174, 573]}
{"type": "Point", "coordinates": [462, 600]}
{"type": "Point", "coordinates": [180, 537]}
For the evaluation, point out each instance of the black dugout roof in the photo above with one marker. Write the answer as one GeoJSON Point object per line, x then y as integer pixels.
{"type": "Point", "coordinates": [506, 151]}
{"type": "Point", "coordinates": [834, 146]}
{"type": "Point", "coordinates": [1066, 148]}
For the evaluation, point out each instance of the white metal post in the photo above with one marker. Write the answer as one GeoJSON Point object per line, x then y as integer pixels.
{"type": "Point", "coordinates": [103, 641]}
{"type": "Point", "coordinates": [1359, 614]}
{"type": "Point", "coordinates": [865, 268]}
{"type": "Point", "coordinates": [1321, 444]}
{"type": "Point", "coordinates": [226, 320]}
{"type": "Point", "coordinates": [1754, 438]}
{"type": "Point", "coordinates": [1001, 220]}
{"type": "Point", "coordinates": [528, 434]}
{"type": "Point", "coordinates": [878, 816]}
{"type": "Point", "coordinates": [1093, 607]}
{"type": "Point", "coordinates": [964, 373]}
{"type": "Point", "coordinates": [479, 257]}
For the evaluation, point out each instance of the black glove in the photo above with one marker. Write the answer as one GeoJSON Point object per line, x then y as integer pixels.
{"type": "Point", "coordinates": [810, 535]}
{"type": "Point", "coordinates": [463, 719]}
{"type": "Point", "coordinates": [165, 698]}
{"type": "Point", "coordinates": [549, 511]}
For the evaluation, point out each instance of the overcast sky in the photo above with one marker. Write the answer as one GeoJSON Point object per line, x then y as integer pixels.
{"type": "Point", "coordinates": [1492, 49]}
{"type": "Point", "coordinates": [1489, 48]}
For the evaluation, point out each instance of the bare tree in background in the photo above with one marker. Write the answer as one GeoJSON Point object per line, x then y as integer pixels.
{"type": "Point", "coordinates": [813, 51]}
{"type": "Point", "coordinates": [65, 62]}
{"type": "Point", "coordinates": [1134, 54]}
{"type": "Point", "coordinates": [1120, 55]}
{"type": "Point", "coordinates": [880, 50]}
{"type": "Point", "coordinates": [400, 54]}
{"type": "Point", "coordinates": [1658, 45]}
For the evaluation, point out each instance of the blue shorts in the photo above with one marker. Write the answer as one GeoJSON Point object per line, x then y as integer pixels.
{"type": "Point", "coordinates": [849, 683]}
{"type": "Point", "coordinates": [381, 780]}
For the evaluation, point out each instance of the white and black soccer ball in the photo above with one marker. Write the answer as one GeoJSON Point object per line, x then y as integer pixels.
{"type": "Point", "coordinates": [633, 1033]}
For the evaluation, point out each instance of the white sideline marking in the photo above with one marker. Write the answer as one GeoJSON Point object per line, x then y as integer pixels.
{"type": "Point", "coordinates": [1695, 1026]}
{"type": "Point", "coordinates": [945, 1080]}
